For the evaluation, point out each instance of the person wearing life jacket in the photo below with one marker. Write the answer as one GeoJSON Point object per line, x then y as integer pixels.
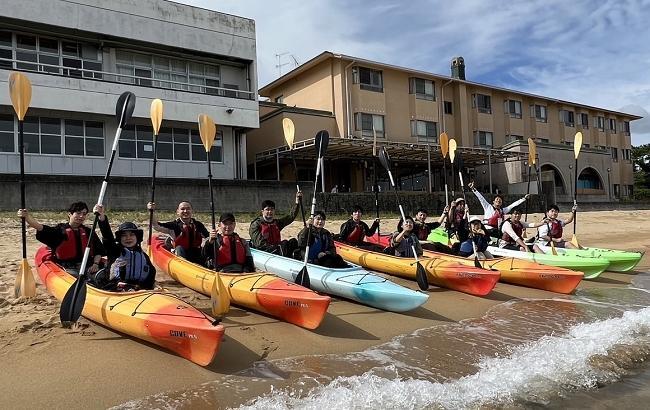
{"type": "Point", "coordinates": [494, 213]}
{"type": "Point", "coordinates": [265, 230]}
{"type": "Point", "coordinates": [187, 233]}
{"type": "Point", "coordinates": [457, 219]}
{"type": "Point", "coordinates": [68, 240]}
{"type": "Point", "coordinates": [129, 267]}
{"type": "Point", "coordinates": [354, 230]}
{"type": "Point", "coordinates": [321, 243]}
{"type": "Point", "coordinates": [477, 240]}
{"type": "Point", "coordinates": [403, 241]}
{"type": "Point", "coordinates": [552, 229]}
{"type": "Point", "coordinates": [513, 229]}
{"type": "Point", "coordinates": [422, 229]}
{"type": "Point", "coordinates": [232, 252]}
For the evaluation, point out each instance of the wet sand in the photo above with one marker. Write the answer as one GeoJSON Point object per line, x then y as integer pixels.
{"type": "Point", "coordinates": [45, 365]}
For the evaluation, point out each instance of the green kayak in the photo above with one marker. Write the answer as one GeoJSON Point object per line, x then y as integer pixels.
{"type": "Point", "coordinates": [619, 261]}
{"type": "Point", "coordinates": [591, 266]}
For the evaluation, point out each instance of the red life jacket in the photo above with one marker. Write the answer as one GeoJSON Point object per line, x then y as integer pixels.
{"type": "Point", "coordinates": [357, 234]}
{"type": "Point", "coordinates": [271, 232]}
{"type": "Point", "coordinates": [227, 254]}
{"type": "Point", "coordinates": [458, 216]}
{"type": "Point", "coordinates": [70, 249]}
{"type": "Point", "coordinates": [496, 218]}
{"type": "Point", "coordinates": [423, 231]}
{"type": "Point", "coordinates": [517, 227]}
{"type": "Point", "coordinates": [555, 229]}
{"type": "Point", "coordinates": [189, 237]}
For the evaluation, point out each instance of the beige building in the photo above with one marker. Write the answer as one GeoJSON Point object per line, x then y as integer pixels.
{"type": "Point", "coordinates": [408, 109]}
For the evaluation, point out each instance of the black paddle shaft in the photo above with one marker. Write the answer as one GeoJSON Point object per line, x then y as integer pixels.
{"type": "Point", "coordinates": [295, 172]}
{"type": "Point", "coordinates": [21, 147]}
{"type": "Point", "coordinates": [575, 193]}
{"type": "Point", "coordinates": [153, 186]}
{"type": "Point", "coordinates": [527, 193]}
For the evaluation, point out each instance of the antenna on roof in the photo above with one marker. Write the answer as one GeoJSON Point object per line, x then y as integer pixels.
{"type": "Point", "coordinates": [280, 64]}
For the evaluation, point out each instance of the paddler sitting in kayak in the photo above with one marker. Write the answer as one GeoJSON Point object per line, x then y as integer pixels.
{"type": "Point", "coordinates": [403, 241]}
{"type": "Point", "coordinates": [551, 229]}
{"type": "Point", "coordinates": [321, 245]}
{"type": "Point", "coordinates": [457, 219]}
{"type": "Point", "coordinates": [477, 241]}
{"type": "Point", "coordinates": [187, 233]}
{"type": "Point", "coordinates": [494, 214]}
{"type": "Point", "coordinates": [422, 229]}
{"type": "Point", "coordinates": [354, 230]}
{"type": "Point", "coordinates": [512, 232]}
{"type": "Point", "coordinates": [129, 268]}
{"type": "Point", "coordinates": [69, 240]}
{"type": "Point", "coordinates": [233, 253]}
{"type": "Point", "coordinates": [265, 229]}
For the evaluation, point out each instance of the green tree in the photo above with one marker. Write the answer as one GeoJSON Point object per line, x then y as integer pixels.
{"type": "Point", "coordinates": [641, 161]}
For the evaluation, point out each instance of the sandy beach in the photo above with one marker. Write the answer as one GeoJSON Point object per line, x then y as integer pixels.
{"type": "Point", "coordinates": [45, 365]}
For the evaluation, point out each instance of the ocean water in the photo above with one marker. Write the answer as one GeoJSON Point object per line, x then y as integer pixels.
{"type": "Point", "coordinates": [588, 350]}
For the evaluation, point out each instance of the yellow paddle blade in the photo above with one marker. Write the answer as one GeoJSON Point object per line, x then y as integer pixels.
{"type": "Point", "coordinates": [577, 144]}
{"type": "Point", "coordinates": [553, 250]}
{"type": "Point", "coordinates": [20, 91]}
{"type": "Point", "coordinates": [289, 131]}
{"type": "Point", "coordinates": [156, 115]}
{"type": "Point", "coordinates": [25, 285]}
{"type": "Point", "coordinates": [219, 297]}
{"type": "Point", "coordinates": [532, 152]}
{"type": "Point", "coordinates": [452, 149]}
{"type": "Point", "coordinates": [574, 240]}
{"type": "Point", "coordinates": [207, 131]}
{"type": "Point", "coordinates": [444, 144]}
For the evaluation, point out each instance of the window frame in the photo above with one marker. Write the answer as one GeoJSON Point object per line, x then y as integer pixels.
{"type": "Point", "coordinates": [482, 102]}
{"type": "Point", "coordinates": [510, 108]}
{"type": "Point", "coordinates": [365, 132]}
{"type": "Point", "coordinates": [427, 136]}
{"type": "Point", "coordinates": [358, 73]}
{"type": "Point", "coordinates": [483, 134]}
{"type": "Point", "coordinates": [413, 88]}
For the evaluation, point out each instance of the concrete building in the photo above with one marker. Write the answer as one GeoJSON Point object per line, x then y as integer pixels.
{"type": "Point", "coordinates": [81, 55]}
{"type": "Point", "coordinates": [408, 109]}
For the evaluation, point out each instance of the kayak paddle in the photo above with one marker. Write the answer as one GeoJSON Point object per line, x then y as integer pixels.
{"type": "Point", "coordinates": [452, 153]}
{"type": "Point", "coordinates": [420, 273]}
{"type": "Point", "coordinates": [577, 144]}
{"type": "Point", "coordinates": [156, 120]}
{"type": "Point", "coordinates": [73, 302]}
{"type": "Point", "coordinates": [289, 133]}
{"type": "Point", "coordinates": [20, 91]}
{"type": "Point", "coordinates": [219, 295]}
{"type": "Point", "coordinates": [375, 187]}
{"type": "Point", "coordinates": [321, 141]}
{"type": "Point", "coordinates": [462, 187]}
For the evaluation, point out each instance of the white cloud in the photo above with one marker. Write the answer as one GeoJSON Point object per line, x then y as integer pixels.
{"type": "Point", "coordinates": [591, 52]}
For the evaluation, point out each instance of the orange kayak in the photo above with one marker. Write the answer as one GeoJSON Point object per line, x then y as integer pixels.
{"type": "Point", "coordinates": [445, 274]}
{"type": "Point", "coordinates": [260, 291]}
{"type": "Point", "coordinates": [156, 317]}
{"type": "Point", "coordinates": [515, 271]}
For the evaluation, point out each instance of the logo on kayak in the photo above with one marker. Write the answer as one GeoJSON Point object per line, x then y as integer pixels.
{"type": "Point", "coordinates": [182, 334]}
{"type": "Point", "coordinates": [467, 275]}
{"type": "Point", "coordinates": [295, 303]}
{"type": "Point", "coordinates": [550, 276]}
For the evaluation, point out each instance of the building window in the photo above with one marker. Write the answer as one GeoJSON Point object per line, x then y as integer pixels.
{"type": "Point", "coordinates": [538, 112]}
{"type": "Point", "coordinates": [482, 102]}
{"type": "Point", "coordinates": [42, 135]}
{"type": "Point", "coordinates": [513, 108]}
{"type": "Point", "coordinates": [513, 138]}
{"type": "Point", "coordinates": [627, 154]}
{"type": "Point", "coordinates": [279, 99]}
{"type": "Point", "coordinates": [449, 107]}
{"type": "Point", "coordinates": [425, 131]}
{"type": "Point", "coordinates": [630, 190]}
{"type": "Point", "coordinates": [366, 122]}
{"type": "Point", "coordinates": [617, 191]}
{"type": "Point", "coordinates": [180, 144]}
{"type": "Point", "coordinates": [567, 118]}
{"type": "Point", "coordinates": [584, 120]}
{"type": "Point", "coordinates": [368, 79]}
{"type": "Point", "coordinates": [612, 125]}
{"type": "Point", "coordinates": [7, 142]}
{"type": "Point", "coordinates": [483, 138]}
{"type": "Point", "coordinates": [626, 127]}
{"type": "Point", "coordinates": [542, 140]}
{"type": "Point", "coordinates": [84, 138]}
{"type": "Point", "coordinates": [614, 151]}
{"type": "Point", "coordinates": [423, 89]}
{"type": "Point", "coordinates": [6, 49]}
{"type": "Point", "coordinates": [599, 122]}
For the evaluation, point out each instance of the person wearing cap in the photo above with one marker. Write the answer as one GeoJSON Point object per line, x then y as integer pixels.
{"type": "Point", "coordinates": [494, 213]}
{"type": "Point", "coordinates": [512, 232]}
{"type": "Point", "coordinates": [422, 229]}
{"type": "Point", "coordinates": [68, 240]}
{"type": "Point", "coordinates": [187, 233]}
{"type": "Point", "coordinates": [403, 241]}
{"type": "Point", "coordinates": [233, 253]}
{"type": "Point", "coordinates": [265, 230]}
{"type": "Point", "coordinates": [457, 219]}
{"type": "Point", "coordinates": [129, 268]}
{"type": "Point", "coordinates": [477, 240]}
{"type": "Point", "coordinates": [321, 244]}
{"type": "Point", "coordinates": [354, 230]}
{"type": "Point", "coordinates": [551, 229]}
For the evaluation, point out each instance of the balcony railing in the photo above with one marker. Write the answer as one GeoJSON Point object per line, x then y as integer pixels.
{"type": "Point", "coordinates": [106, 76]}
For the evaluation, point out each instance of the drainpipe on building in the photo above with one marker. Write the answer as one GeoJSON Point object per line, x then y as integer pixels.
{"type": "Point", "coordinates": [347, 98]}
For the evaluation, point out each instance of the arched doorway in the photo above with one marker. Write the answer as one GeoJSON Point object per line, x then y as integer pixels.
{"type": "Point", "coordinates": [589, 182]}
{"type": "Point", "coordinates": [552, 183]}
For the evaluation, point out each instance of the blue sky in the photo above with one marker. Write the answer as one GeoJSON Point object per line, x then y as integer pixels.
{"type": "Point", "coordinates": [593, 52]}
